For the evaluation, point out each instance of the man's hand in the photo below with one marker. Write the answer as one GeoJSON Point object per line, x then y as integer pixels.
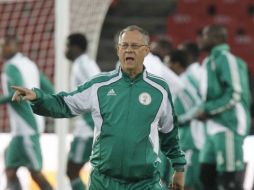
{"type": "Point", "coordinates": [23, 94]}
{"type": "Point", "coordinates": [178, 181]}
{"type": "Point", "coordinates": [202, 116]}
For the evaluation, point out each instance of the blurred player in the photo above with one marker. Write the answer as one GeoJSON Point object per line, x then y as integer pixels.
{"type": "Point", "coordinates": [83, 69]}
{"type": "Point", "coordinates": [193, 69]}
{"type": "Point", "coordinates": [226, 110]}
{"type": "Point", "coordinates": [161, 47]}
{"type": "Point", "coordinates": [191, 131]}
{"type": "Point", "coordinates": [24, 148]}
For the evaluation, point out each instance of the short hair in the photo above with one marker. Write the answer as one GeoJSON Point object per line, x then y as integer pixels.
{"type": "Point", "coordinates": [78, 39]}
{"type": "Point", "coordinates": [217, 32]}
{"type": "Point", "coordinates": [192, 49]}
{"type": "Point", "coordinates": [136, 28]}
{"type": "Point", "coordinates": [179, 56]}
{"type": "Point", "coordinates": [164, 43]}
{"type": "Point", "coordinates": [12, 38]}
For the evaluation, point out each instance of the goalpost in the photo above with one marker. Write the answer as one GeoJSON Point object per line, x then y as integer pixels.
{"type": "Point", "coordinates": [61, 83]}
{"type": "Point", "coordinates": [43, 25]}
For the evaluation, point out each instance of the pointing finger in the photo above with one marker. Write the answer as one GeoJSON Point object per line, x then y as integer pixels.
{"type": "Point", "coordinates": [16, 96]}
{"type": "Point", "coordinates": [20, 89]}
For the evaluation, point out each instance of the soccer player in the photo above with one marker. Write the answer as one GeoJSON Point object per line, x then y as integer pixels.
{"type": "Point", "coordinates": [83, 69]}
{"type": "Point", "coordinates": [191, 131]}
{"type": "Point", "coordinates": [226, 110]}
{"type": "Point", "coordinates": [133, 115]}
{"type": "Point", "coordinates": [24, 148]}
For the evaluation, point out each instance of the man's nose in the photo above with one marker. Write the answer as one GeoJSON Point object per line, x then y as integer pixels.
{"type": "Point", "coordinates": [129, 48]}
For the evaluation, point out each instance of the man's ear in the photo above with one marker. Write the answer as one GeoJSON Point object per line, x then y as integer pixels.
{"type": "Point", "coordinates": [147, 50]}
{"type": "Point", "coordinates": [117, 50]}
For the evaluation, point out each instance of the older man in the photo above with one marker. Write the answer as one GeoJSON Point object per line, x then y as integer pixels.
{"type": "Point", "coordinates": [133, 116]}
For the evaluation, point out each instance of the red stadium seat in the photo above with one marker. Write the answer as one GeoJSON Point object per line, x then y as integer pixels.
{"type": "Point", "coordinates": [181, 26]}
{"type": "Point", "coordinates": [232, 8]}
{"type": "Point", "coordinates": [191, 7]}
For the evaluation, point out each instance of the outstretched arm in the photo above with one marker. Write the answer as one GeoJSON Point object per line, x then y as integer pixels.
{"type": "Point", "coordinates": [60, 105]}
{"type": "Point", "coordinates": [4, 99]}
{"type": "Point", "coordinates": [42, 103]}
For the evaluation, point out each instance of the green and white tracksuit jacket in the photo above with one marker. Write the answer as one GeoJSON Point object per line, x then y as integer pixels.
{"type": "Point", "coordinates": [225, 90]}
{"type": "Point", "coordinates": [134, 119]}
{"type": "Point", "coordinates": [21, 71]}
{"type": "Point", "coordinates": [192, 132]}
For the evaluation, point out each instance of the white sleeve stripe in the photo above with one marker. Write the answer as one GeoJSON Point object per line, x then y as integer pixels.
{"type": "Point", "coordinates": [81, 101]}
{"type": "Point", "coordinates": [168, 123]}
{"type": "Point", "coordinates": [185, 100]}
{"type": "Point", "coordinates": [234, 70]}
{"type": "Point", "coordinates": [236, 82]}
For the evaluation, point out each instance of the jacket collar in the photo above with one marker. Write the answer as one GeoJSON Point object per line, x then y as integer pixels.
{"type": "Point", "coordinates": [217, 50]}
{"type": "Point", "coordinates": [127, 78]}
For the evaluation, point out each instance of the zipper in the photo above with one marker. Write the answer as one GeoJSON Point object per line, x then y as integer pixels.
{"type": "Point", "coordinates": [127, 124]}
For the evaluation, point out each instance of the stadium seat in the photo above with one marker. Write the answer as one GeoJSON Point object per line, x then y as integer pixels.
{"type": "Point", "coordinates": [232, 8]}
{"type": "Point", "coordinates": [181, 26]}
{"type": "Point", "coordinates": [248, 25]}
{"type": "Point", "coordinates": [191, 7]}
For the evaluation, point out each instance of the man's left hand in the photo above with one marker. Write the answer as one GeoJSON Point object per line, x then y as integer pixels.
{"type": "Point", "coordinates": [202, 116]}
{"type": "Point", "coordinates": [178, 181]}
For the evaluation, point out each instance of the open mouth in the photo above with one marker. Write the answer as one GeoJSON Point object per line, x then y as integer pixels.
{"type": "Point", "coordinates": [129, 59]}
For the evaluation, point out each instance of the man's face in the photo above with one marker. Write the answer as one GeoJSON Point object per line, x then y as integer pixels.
{"type": "Point", "coordinates": [157, 50]}
{"type": "Point", "coordinates": [206, 40]}
{"type": "Point", "coordinates": [131, 51]}
{"type": "Point", "coordinates": [174, 66]}
{"type": "Point", "coordinates": [7, 49]}
{"type": "Point", "coordinates": [69, 52]}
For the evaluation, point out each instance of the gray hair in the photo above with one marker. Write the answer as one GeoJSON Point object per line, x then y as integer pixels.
{"type": "Point", "coordinates": [135, 28]}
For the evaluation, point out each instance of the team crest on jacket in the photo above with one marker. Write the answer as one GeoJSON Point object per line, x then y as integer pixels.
{"type": "Point", "coordinates": [145, 98]}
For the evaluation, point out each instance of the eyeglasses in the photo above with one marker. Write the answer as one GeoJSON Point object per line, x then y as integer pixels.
{"type": "Point", "coordinates": [133, 46]}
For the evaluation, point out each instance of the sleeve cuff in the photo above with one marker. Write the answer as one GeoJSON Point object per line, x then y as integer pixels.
{"type": "Point", "coordinates": [178, 163]}
{"type": "Point", "coordinates": [179, 169]}
{"type": "Point", "coordinates": [39, 95]}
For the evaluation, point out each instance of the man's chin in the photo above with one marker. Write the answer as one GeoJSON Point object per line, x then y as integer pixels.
{"type": "Point", "coordinates": [129, 64]}
{"type": "Point", "coordinates": [128, 68]}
